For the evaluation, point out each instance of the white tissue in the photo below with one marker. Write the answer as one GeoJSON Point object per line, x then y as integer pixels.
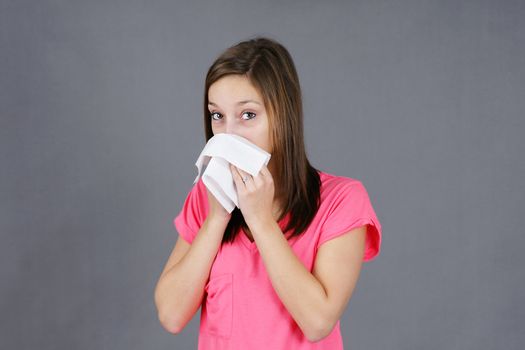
{"type": "Point", "coordinates": [214, 161]}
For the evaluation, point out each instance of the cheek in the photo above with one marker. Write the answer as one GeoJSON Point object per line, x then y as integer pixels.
{"type": "Point", "coordinates": [216, 129]}
{"type": "Point", "coordinates": [261, 139]}
{"type": "Point", "coordinates": [264, 143]}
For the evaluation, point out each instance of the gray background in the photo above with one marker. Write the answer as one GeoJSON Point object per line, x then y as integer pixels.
{"type": "Point", "coordinates": [100, 126]}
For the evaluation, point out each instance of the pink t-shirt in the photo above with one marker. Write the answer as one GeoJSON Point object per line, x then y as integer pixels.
{"type": "Point", "coordinates": [240, 309]}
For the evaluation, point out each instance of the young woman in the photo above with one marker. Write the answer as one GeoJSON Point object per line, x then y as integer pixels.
{"type": "Point", "coordinates": [279, 271]}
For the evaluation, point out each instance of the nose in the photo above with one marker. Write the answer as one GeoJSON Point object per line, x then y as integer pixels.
{"type": "Point", "coordinates": [230, 126]}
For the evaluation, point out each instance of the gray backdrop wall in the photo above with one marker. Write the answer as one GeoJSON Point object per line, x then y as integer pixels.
{"type": "Point", "coordinates": [100, 126]}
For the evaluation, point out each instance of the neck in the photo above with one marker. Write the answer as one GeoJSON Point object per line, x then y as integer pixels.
{"type": "Point", "coordinates": [277, 205]}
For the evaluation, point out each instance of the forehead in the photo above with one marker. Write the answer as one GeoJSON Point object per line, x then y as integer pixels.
{"type": "Point", "coordinates": [233, 88]}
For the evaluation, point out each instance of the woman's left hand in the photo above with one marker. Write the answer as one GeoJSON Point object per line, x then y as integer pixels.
{"type": "Point", "coordinates": [255, 195]}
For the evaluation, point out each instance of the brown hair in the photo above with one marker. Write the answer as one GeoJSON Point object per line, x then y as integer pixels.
{"type": "Point", "coordinates": [270, 68]}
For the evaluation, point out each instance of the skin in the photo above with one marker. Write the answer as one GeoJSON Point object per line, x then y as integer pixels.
{"type": "Point", "coordinates": [316, 300]}
{"type": "Point", "coordinates": [230, 113]}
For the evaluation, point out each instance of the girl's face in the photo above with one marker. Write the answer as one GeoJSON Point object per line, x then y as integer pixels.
{"type": "Point", "coordinates": [236, 107]}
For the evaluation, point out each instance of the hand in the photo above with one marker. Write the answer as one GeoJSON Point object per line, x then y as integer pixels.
{"type": "Point", "coordinates": [215, 209]}
{"type": "Point", "coordinates": [255, 195]}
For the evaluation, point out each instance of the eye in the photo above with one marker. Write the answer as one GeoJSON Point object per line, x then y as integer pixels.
{"type": "Point", "coordinates": [251, 114]}
{"type": "Point", "coordinates": [214, 114]}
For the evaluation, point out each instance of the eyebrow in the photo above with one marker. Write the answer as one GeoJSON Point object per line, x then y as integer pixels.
{"type": "Point", "coordinates": [238, 103]}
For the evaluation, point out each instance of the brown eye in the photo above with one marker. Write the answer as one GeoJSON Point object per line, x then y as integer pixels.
{"type": "Point", "coordinates": [252, 115]}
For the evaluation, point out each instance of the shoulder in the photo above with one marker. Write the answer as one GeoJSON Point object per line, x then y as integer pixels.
{"type": "Point", "coordinates": [345, 206]}
{"type": "Point", "coordinates": [198, 191]}
{"type": "Point", "coordinates": [200, 188]}
{"type": "Point", "coordinates": [194, 210]}
{"type": "Point", "coordinates": [333, 186]}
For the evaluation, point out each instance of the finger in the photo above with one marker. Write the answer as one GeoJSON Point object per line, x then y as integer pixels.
{"type": "Point", "coordinates": [236, 176]}
{"type": "Point", "coordinates": [250, 181]}
{"type": "Point", "coordinates": [264, 171]}
{"type": "Point", "coordinates": [266, 174]}
{"type": "Point", "coordinates": [259, 178]}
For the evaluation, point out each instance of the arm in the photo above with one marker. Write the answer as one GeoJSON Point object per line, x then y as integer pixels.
{"type": "Point", "coordinates": [315, 300]}
{"type": "Point", "coordinates": [179, 291]}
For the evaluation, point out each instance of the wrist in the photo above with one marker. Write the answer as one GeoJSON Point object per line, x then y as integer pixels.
{"type": "Point", "coordinates": [261, 224]}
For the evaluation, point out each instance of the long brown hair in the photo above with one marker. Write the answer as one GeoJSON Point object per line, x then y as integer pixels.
{"type": "Point", "coordinates": [270, 68]}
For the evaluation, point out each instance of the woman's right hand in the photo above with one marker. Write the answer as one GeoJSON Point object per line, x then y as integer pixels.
{"type": "Point", "coordinates": [216, 210]}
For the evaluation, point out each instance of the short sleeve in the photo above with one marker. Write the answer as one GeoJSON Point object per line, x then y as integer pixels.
{"type": "Point", "coordinates": [193, 212]}
{"type": "Point", "coordinates": [350, 208]}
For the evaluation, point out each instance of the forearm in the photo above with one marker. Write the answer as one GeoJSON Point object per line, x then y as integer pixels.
{"type": "Point", "coordinates": [299, 290]}
{"type": "Point", "coordinates": [179, 292]}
